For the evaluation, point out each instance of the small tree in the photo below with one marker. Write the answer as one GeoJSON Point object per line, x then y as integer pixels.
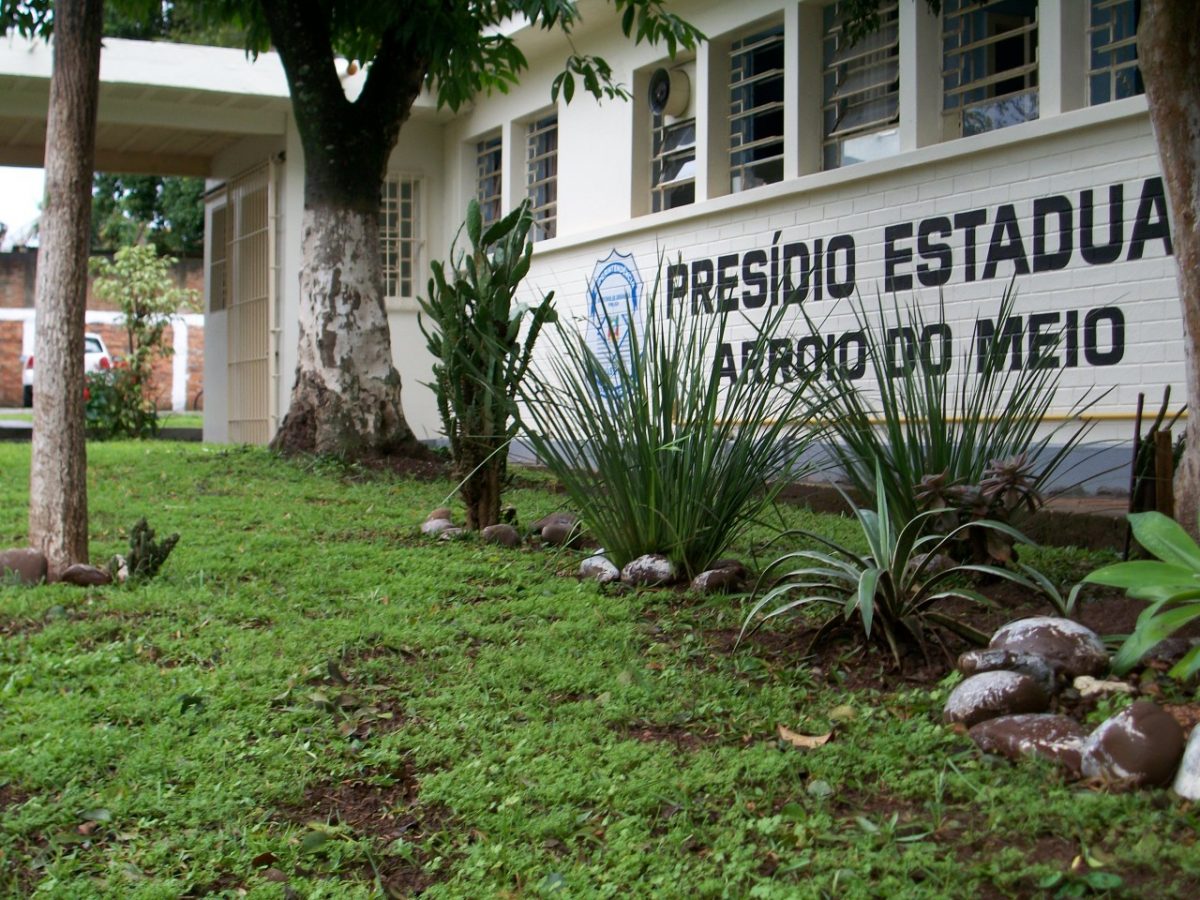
{"type": "Point", "coordinates": [138, 282]}
{"type": "Point", "coordinates": [474, 334]}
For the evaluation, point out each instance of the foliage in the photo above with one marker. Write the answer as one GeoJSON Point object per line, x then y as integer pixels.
{"type": "Point", "coordinates": [893, 588]}
{"type": "Point", "coordinates": [990, 430]}
{"type": "Point", "coordinates": [474, 333]}
{"type": "Point", "coordinates": [146, 555]}
{"type": "Point", "coordinates": [658, 454]}
{"type": "Point", "coordinates": [193, 724]}
{"type": "Point", "coordinates": [167, 213]}
{"type": "Point", "coordinates": [1170, 584]}
{"type": "Point", "coordinates": [117, 405]}
{"type": "Point", "coordinates": [139, 283]}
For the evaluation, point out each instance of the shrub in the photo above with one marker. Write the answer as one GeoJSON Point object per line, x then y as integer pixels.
{"type": "Point", "coordinates": [893, 589]}
{"type": "Point", "coordinates": [116, 404]}
{"type": "Point", "coordinates": [656, 453]}
{"type": "Point", "coordinates": [474, 334]}
{"type": "Point", "coordinates": [1170, 584]}
{"type": "Point", "coordinates": [922, 429]}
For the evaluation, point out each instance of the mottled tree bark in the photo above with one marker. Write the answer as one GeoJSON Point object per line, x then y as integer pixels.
{"type": "Point", "coordinates": [1169, 57]}
{"type": "Point", "coordinates": [346, 396]}
{"type": "Point", "coordinates": [58, 477]}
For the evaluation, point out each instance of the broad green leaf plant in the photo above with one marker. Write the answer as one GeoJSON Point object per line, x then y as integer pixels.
{"type": "Point", "coordinates": [473, 328]}
{"type": "Point", "coordinates": [1170, 584]}
{"type": "Point", "coordinates": [892, 590]}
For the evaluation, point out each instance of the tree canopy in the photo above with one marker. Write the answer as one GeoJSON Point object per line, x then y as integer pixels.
{"type": "Point", "coordinates": [167, 213]}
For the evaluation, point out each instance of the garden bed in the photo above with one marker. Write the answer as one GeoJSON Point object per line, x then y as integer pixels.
{"type": "Point", "coordinates": [506, 730]}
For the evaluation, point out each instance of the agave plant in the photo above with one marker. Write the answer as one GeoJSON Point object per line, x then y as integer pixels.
{"type": "Point", "coordinates": [893, 589]}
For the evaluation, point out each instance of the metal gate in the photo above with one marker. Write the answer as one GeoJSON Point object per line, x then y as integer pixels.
{"type": "Point", "coordinates": [250, 298]}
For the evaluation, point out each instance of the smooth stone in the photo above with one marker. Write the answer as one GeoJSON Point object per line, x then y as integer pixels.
{"type": "Point", "coordinates": [1140, 745]}
{"type": "Point", "coordinates": [599, 568]}
{"type": "Point", "coordinates": [29, 566]}
{"type": "Point", "coordinates": [557, 518]}
{"type": "Point", "coordinates": [1170, 650]}
{"type": "Point", "coordinates": [1090, 687]}
{"type": "Point", "coordinates": [504, 535]}
{"type": "Point", "coordinates": [650, 570]}
{"type": "Point", "coordinates": [452, 533]}
{"type": "Point", "coordinates": [975, 661]}
{"type": "Point", "coordinates": [561, 534]}
{"type": "Point", "coordinates": [1056, 738]}
{"type": "Point", "coordinates": [1187, 779]}
{"type": "Point", "coordinates": [435, 526]}
{"type": "Point", "coordinates": [84, 575]}
{"type": "Point", "coordinates": [1070, 648]}
{"type": "Point", "coordinates": [719, 581]}
{"type": "Point", "coordinates": [442, 512]}
{"type": "Point", "coordinates": [989, 695]}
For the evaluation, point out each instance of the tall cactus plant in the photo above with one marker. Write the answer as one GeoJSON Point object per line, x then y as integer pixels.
{"type": "Point", "coordinates": [473, 328]}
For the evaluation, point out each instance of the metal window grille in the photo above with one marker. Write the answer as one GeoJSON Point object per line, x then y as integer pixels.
{"type": "Point", "coordinates": [489, 160]}
{"type": "Point", "coordinates": [541, 179]}
{"type": "Point", "coordinates": [990, 66]}
{"type": "Point", "coordinates": [673, 166]}
{"type": "Point", "coordinates": [756, 109]}
{"type": "Point", "coordinates": [216, 259]}
{"type": "Point", "coordinates": [1113, 72]}
{"type": "Point", "coordinates": [399, 235]}
{"type": "Point", "coordinates": [861, 89]}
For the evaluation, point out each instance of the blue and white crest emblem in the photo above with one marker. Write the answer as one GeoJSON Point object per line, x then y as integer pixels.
{"type": "Point", "coordinates": [614, 305]}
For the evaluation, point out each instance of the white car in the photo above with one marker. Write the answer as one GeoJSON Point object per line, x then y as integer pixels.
{"type": "Point", "coordinates": [95, 357]}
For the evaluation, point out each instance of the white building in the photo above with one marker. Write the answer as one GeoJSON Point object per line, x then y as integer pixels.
{"type": "Point", "coordinates": [942, 156]}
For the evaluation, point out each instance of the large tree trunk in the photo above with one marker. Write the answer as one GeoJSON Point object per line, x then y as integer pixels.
{"type": "Point", "coordinates": [346, 397]}
{"type": "Point", "coordinates": [1169, 56]}
{"type": "Point", "coordinates": [58, 477]}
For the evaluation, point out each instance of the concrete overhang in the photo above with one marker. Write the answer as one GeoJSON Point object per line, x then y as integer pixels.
{"type": "Point", "coordinates": [165, 109]}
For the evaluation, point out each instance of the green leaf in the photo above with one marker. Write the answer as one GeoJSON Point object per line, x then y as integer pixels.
{"type": "Point", "coordinates": [474, 222]}
{"type": "Point", "coordinates": [1166, 539]}
{"type": "Point", "coordinates": [313, 841]}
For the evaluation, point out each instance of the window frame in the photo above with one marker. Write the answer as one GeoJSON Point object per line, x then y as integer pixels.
{"type": "Point", "coordinates": [769, 34]}
{"type": "Point", "coordinates": [393, 277]}
{"type": "Point", "coordinates": [491, 203]}
{"type": "Point", "coordinates": [545, 213]}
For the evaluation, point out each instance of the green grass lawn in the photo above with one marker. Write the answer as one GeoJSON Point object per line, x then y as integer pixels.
{"type": "Point", "coordinates": [165, 419]}
{"type": "Point", "coordinates": [313, 693]}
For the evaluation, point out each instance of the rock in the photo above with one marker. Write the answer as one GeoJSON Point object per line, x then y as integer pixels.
{"type": "Point", "coordinates": [975, 661]}
{"type": "Point", "coordinates": [452, 533]}
{"type": "Point", "coordinates": [1090, 687]}
{"type": "Point", "coordinates": [26, 565]}
{"type": "Point", "coordinates": [1140, 745]}
{"type": "Point", "coordinates": [1056, 738]}
{"type": "Point", "coordinates": [1070, 648]}
{"type": "Point", "coordinates": [599, 568]}
{"type": "Point", "coordinates": [504, 535]}
{"type": "Point", "coordinates": [558, 518]}
{"type": "Point", "coordinates": [719, 581]}
{"type": "Point", "coordinates": [442, 512]}
{"type": "Point", "coordinates": [1187, 779]}
{"type": "Point", "coordinates": [84, 575]}
{"type": "Point", "coordinates": [650, 570]}
{"type": "Point", "coordinates": [992, 694]}
{"type": "Point", "coordinates": [561, 534]}
{"type": "Point", "coordinates": [435, 526]}
{"type": "Point", "coordinates": [1170, 650]}
{"type": "Point", "coordinates": [934, 565]}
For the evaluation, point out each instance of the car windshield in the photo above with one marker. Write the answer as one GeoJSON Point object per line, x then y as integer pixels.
{"type": "Point", "coordinates": [92, 345]}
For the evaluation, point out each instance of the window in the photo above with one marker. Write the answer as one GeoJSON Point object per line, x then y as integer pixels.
{"type": "Point", "coordinates": [216, 259]}
{"type": "Point", "coordinates": [756, 110]}
{"type": "Point", "coordinates": [989, 51]}
{"type": "Point", "coordinates": [489, 159]}
{"type": "Point", "coordinates": [1113, 72]}
{"type": "Point", "coordinates": [673, 168]}
{"type": "Point", "coordinates": [541, 179]}
{"type": "Point", "coordinates": [861, 90]}
{"type": "Point", "coordinates": [399, 241]}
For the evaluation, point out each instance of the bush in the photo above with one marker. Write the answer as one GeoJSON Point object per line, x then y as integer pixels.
{"type": "Point", "coordinates": [116, 405]}
{"type": "Point", "coordinates": [1170, 584]}
{"type": "Point", "coordinates": [921, 430]}
{"type": "Point", "coordinates": [653, 450]}
{"type": "Point", "coordinates": [893, 589]}
{"type": "Point", "coordinates": [475, 336]}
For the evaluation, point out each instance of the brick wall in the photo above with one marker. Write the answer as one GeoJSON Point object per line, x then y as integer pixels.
{"type": "Point", "coordinates": [18, 270]}
{"type": "Point", "coordinates": [10, 363]}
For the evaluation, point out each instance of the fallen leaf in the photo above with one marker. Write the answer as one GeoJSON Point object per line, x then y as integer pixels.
{"type": "Point", "coordinates": [804, 741]}
{"type": "Point", "coordinates": [263, 860]}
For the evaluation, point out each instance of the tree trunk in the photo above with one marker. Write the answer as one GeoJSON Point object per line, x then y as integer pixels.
{"type": "Point", "coordinates": [1169, 57]}
{"type": "Point", "coordinates": [346, 398]}
{"type": "Point", "coordinates": [58, 476]}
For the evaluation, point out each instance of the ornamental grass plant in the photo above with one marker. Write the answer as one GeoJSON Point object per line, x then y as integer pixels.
{"type": "Point", "coordinates": [660, 446]}
{"type": "Point", "coordinates": [928, 421]}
